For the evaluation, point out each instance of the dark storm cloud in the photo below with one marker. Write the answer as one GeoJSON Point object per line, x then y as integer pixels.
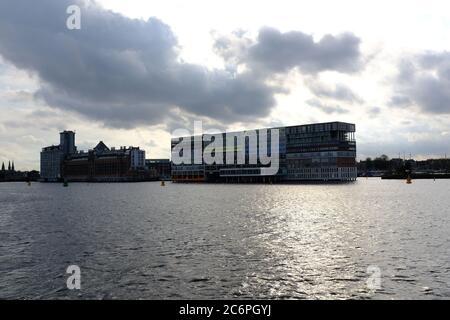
{"type": "Point", "coordinates": [339, 92]}
{"type": "Point", "coordinates": [124, 72]}
{"type": "Point", "coordinates": [127, 72]}
{"type": "Point", "coordinates": [424, 80]}
{"type": "Point", "coordinates": [279, 52]}
{"type": "Point", "coordinates": [274, 52]}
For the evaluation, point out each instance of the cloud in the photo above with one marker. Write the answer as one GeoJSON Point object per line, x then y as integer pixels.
{"type": "Point", "coordinates": [423, 80]}
{"type": "Point", "coordinates": [233, 48]}
{"type": "Point", "coordinates": [400, 101]}
{"type": "Point", "coordinates": [326, 107]}
{"type": "Point", "coordinates": [275, 51]}
{"type": "Point", "coordinates": [14, 96]}
{"type": "Point", "coordinates": [374, 111]}
{"type": "Point", "coordinates": [120, 71]}
{"type": "Point", "coordinates": [426, 148]}
{"type": "Point", "coordinates": [127, 72]}
{"type": "Point", "coordinates": [339, 92]}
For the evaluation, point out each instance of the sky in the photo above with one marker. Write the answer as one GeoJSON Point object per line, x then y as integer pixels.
{"type": "Point", "coordinates": [137, 70]}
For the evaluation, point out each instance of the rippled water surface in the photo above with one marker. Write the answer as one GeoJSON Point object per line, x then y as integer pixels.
{"type": "Point", "coordinates": [218, 241]}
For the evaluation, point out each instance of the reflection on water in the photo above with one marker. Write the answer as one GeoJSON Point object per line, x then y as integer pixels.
{"type": "Point", "coordinates": [226, 241]}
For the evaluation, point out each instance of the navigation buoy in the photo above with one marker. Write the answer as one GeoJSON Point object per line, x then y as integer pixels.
{"type": "Point", "coordinates": [408, 179]}
{"type": "Point", "coordinates": [163, 183]}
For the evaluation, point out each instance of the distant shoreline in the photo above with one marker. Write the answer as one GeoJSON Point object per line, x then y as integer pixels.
{"type": "Point", "coordinates": [417, 176]}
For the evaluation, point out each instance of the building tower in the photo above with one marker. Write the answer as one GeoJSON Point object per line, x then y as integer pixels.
{"type": "Point", "coordinates": [9, 165]}
{"type": "Point", "coordinates": [12, 167]}
{"type": "Point", "coordinates": [67, 142]}
{"type": "Point", "coordinates": [3, 166]}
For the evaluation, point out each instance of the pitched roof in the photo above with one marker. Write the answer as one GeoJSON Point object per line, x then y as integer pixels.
{"type": "Point", "coordinates": [101, 147]}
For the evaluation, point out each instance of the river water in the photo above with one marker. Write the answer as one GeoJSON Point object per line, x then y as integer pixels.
{"type": "Point", "coordinates": [372, 239]}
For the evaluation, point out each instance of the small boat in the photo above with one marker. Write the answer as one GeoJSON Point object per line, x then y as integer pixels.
{"type": "Point", "coordinates": [65, 183]}
{"type": "Point", "coordinates": [163, 183]}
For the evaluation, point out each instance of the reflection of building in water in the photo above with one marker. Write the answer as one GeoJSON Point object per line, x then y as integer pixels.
{"type": "Point", "coordinates": [313, 152]}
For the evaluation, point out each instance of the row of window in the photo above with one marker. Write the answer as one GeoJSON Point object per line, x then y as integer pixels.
{"type": "Point", "coordinates": [321, 154]}
{"type": "Point", "coordinates": [322, 176]}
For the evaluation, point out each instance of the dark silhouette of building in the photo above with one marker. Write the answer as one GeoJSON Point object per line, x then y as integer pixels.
{"type": "Point", "coordinates": [382, 165]}
{"type": "Point", "coordinates": [161, 167]}
{"type": "Point", "coordinates": [3, 172]}
{"type": "Point", "coordinates": [64, 162]}
{"type": "Point", "coordinates": [10, 174]}
{"type": "Point", "coordinates": [67, 142]}
{"type": "Point", "coordinates": [52, 156]}
{"type": "Point", "coordinates": [102, 164]}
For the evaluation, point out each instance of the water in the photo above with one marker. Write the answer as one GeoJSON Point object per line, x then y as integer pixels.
{"type": "Point", "coordinates": [219, 241]}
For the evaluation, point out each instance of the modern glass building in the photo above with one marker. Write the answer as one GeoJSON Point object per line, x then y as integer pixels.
{"type": "Point", "coordinates": [312, 152]}
{"type": "Point", "coordinates": [323, 152]}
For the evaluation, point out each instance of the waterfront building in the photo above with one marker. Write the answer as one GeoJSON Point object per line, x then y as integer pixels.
{"type": "Point", "coordinates": [103, 164]}
{"type": "Point", "coordinates": [161, 167]}
{"type": "Point", "coordinates": [99, 164]}
{"type": "Point", "coordinates": [52, 156]}
{"type": "Point", "coordinates": [137, 158]}
{"type": "Point", "coordinates": [312, 152]}
{"type": "Point", "coordinates": [67, 142]}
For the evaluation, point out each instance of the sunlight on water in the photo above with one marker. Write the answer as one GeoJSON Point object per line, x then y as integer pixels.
{"type": "Point", "coordinates": [226, 241]}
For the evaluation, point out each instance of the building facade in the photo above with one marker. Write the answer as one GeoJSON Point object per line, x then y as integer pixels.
{"type": "Point", "coordinates": [161, 167]}
{"type": "Point", "coordinates": [53, 156]}
{"type": "Point", "coordinates": [67, 142]}
{"type": "Point", "coordinates": [103, 164]}
{"type": "Point", "coordinates": [324, 151]}
{"type": "Point", "coordinates": [64, 162]}
{"type": "Point", "coordinates": [51, 159]}
{"type": "Point", "coordinates": [313, 152]}
{"type": "Point", "coordinates": [137, 158]}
